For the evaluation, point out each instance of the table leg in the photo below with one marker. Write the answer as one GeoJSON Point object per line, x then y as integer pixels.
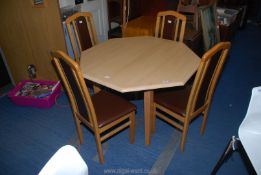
{"type": "Point", "coordinates": [148, 107]}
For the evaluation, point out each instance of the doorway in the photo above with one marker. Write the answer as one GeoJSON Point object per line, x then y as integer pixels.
{"type": "Point", "coordinates": [6, 81]}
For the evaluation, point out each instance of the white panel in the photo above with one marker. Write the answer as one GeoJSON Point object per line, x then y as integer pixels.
{"type": "Point", "coordinates": [98, 8]}
{"type": "Point", "coordinates": [66, 161]}
{"type": "Point", "coordinates": [64, 3]}
{"type": "Point", "coordinates": [250, 131]}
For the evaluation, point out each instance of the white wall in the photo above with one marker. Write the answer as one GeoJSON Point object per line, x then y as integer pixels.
{"type": "Point", "coordinates": [65, 3]}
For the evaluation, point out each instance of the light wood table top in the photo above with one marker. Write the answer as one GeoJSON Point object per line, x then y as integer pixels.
{"type": "Point", "coordinates": [139, 64]}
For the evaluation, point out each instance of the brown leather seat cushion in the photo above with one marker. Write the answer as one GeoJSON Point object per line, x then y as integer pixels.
{"type": "Point", "coordinates": [175, 100]}
{"type": "Point", "coordinates": [109, 107]}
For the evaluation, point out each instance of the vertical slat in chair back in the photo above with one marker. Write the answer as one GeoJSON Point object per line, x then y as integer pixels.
{"type": "Point", "coordinates": [83, 30]}
{"type": "Point", "coordinates": [169, 28]}
{"type": "Point", "coordinates": [207, 75]}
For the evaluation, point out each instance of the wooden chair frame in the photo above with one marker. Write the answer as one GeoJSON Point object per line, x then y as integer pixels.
{"type": "Point", "coordinates": [191, 9]}
{"type": "Point", "coordinates": [191, 110]}
{"type": "Point", "coordinates": [179, 30]}
{"type": "Point", "coordinates": [92, 122]}
{"type": "Point", "coordinates": [74, 32]}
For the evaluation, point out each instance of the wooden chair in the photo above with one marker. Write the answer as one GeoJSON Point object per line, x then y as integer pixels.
{"type": "Point", "coordinates": [183, 104]}
{"type": "Point", "coordinates": [104, 113]}
{"type": "Point", "coordinates": [82, 32]}
{"type": "Point", "coordinates": [170, 25]}
{"type": "Point", "coordinates": [190, 8]}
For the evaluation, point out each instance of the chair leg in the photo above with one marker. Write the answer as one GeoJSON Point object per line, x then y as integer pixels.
{"type": "Point", "coordinates": [132, 127]}
{"type": "Point", "coordinates": [184, 136]}
{"type": "Point", "coordinates": [123, 28]}
{"type": "Point", "coordinates": [99, 147]}
{"type": "Point", "coordinates": [226, 154]}
{"type": "Point", "coordinates": [79, 129]}
{"type": "Point", "coordinates": [234, 144]}
{"type": "Point", "coordinates": [204, 122]}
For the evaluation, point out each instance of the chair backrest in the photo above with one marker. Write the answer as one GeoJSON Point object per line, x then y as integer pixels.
{"type": "Point", "coordinates": [170, 25]}
{"type": "Point", "coordinates": [82, 32]}
{"type": "Point", "coordinates": [76, 88]}
{"type": "Point", "coordinates": [206, 77]}
{"type": "Point", "coordinates": [190, 7]}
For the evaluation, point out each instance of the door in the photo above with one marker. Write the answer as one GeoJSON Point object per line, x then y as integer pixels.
{"type": "Point", "coordinates": [4, 73]}
{"type": "Point", "coordinates": [28, 33]}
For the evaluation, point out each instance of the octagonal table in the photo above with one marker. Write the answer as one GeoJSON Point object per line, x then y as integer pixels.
{"type": "Point", "coordinates": [139, 64]}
